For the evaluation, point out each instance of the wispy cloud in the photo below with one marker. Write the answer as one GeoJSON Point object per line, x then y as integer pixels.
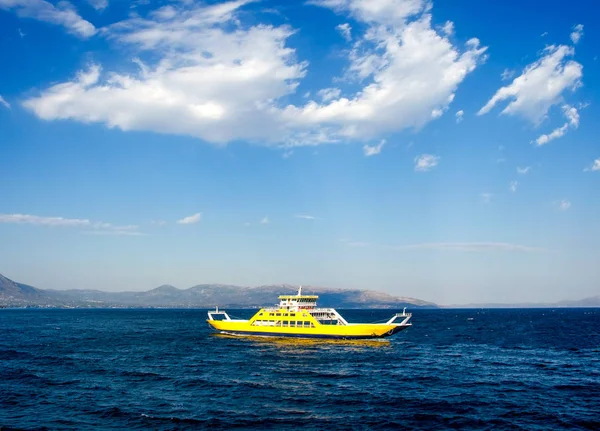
{"type": "Point", "coordinates": [471, 246]}
{"type": "Point", "coordinates": [98, 228]}
{"type": "Point", "coordinates": [345, 31]}
{"type": "Point", "coordinates": [43, 221]}
{"type": "Point", "coordinates": [99, 5]}
{"type": "Point", "coordinates": [595, 166]}
{"type": "Point", "coordinates": [193, 219]}
{"type": "Point", "coordinates": [524, 170]}
{"type": "Point", "coordinates": [572, 116]}
{"type": "Point", "coordinates": [158, 222]}
{"type": "Point", "coordinates": [4, 103]}
{"type": "Point", "coordinates": [577, 33]}
{"type": "Point", "coordinates": [373, 150]}
{"type": "Point", "coordinates": [486, 197]}
{"type": "Point", "coordinates": [562, 205]}
{"type": "Point", "coordinates": [426, 162]}
{"type": "Point", "coordinates": [459, 116]}
{"type": "Point", "coordinates": [63, 14]}
{"type": "Point", "coordinates": [448, 28]}
{"type": "Point", "coordinates": [507, 74]}
{"type": "Point", "coordinates": [265, 220]}
{"type": "Point", "coordinates": [305, 217]}
{"type": "Point", "coordinates": [513, 186]}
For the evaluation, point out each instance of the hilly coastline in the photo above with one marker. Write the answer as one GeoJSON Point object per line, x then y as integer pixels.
{"type": "Point", "coordinates": [14, 294]}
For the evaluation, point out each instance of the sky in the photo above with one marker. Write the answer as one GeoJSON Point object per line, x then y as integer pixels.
{"type": "Point", "coordinates": [441, 150]}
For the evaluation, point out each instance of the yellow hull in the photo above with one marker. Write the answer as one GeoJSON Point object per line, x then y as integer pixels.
{"type": "Point", "coordinates": [351, 331]}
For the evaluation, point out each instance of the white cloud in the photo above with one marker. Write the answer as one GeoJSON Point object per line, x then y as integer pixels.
{"type": "Point", "coordinates": [42, 221]}
{"type": "Point", "coordinates": [373, 150]}
{"type": "Point", "coordinates": [577, 33]}
{"type": "Point", "coordinates": [459, 116]}
{"type": "Point", "coordinates": [513, 186]}
{"type": "Point", "coordinates": [194, 218]}
{"type": "Point", "coordinates": [345, 31]}
{"type": "Point", "coordinates": [63, 14]}
{"type": "Point", "coordinates": [486, 197]}
{"type": "Point", "coordinates": [524, 170]}
{"type": "Point", "coordinates": [328, 94]}
{"type": "Point", "coordinates": [159, 222]}
{"type": "Point", "coordinates": [540, 86]}
{"type": "Point", "coordinates": [305, 216]}
{"type": "Point", "coordinates": [426, 162]}
{"type": "Point", "coordinates": [563, 205]}
{"type": "Point", "coordinates": [98, 4]}
{"type": "Point", "coordinates": [265, 220]}
{"type": "Point", "coordinates": [95, 227]}
{"type": "Point", "coordinates": [4, 103]}
{"type": "Point", "coordinates": [572, 117]}
{"type": "Point", "coordinates": [448, 28]}
{"type": "Point", "coordinates": [470, 246]}
{"type": "Point", "coordinates": [595, 166]}
{"type": "Point", "coordinates": [203, 73]}
{"type": "Point", "coordinates": [507, 74]}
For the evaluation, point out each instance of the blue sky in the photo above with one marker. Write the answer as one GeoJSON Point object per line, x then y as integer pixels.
{"type": "Point", "coordinates": [441, 150]}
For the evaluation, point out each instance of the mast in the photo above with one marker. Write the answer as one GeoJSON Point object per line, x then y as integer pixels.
{"type": "Point", "coordinates": [299, 290]}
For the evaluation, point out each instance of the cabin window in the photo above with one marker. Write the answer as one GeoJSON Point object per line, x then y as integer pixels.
{"type": "Point", "coordinates": [278, 314]}
{"type": "Point", "coordinates": [292, 314]}
{"type": "Point", "coordinates": [271, 314]}
{"type": "Point", "coordinates": [285, 314]}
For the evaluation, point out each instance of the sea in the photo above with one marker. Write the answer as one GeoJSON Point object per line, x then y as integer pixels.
{"type": "Point", "coordinates": [476, 369]}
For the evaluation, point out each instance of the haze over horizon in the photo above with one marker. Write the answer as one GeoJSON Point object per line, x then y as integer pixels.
{"type": "Point", "coordinates": [419, 148]}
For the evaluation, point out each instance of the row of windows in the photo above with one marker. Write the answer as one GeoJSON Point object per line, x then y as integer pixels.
{"type": "Point", "coordinates": [280, 314]}
{"type": "Point", "coordinates": [284, 324]}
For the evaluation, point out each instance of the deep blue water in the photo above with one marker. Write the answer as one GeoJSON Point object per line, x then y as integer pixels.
{"type": "Point", "coordinates": [165, 370]}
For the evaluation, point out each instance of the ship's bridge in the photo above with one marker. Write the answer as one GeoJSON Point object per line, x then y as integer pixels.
{"type": "Point", "coordinates": [298, 302]}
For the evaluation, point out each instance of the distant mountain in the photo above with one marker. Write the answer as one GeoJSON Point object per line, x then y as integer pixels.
{"type": "Point", "coordinates": [14, 294]}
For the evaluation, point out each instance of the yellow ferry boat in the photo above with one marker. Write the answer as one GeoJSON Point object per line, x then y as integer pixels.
{"type": "Point", "coordinates": [298, 316]}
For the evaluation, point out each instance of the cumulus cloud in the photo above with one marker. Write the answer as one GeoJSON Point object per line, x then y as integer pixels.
{"type": "Point", "coordinates": [426, 162]}
{"type": "Point", "coordinates": [193, 219]}
{"type": "Point", "coordinates": [513, 186]}
{"type": "Point", "coordinates": [572, 117]}
{"type": "Point", "coordinates": [202, 72]}
{"type": "Point", "coordinates": [540, 86]}
{"type": "Point", "coordinates": [373, 150]}
{"type": "Point", "coordinates": [595, 166]}
{"type": "Point", "coordinates": [4, 103]}
{"type": "Point", "coordinates": [459, 116]}
{"type": "Point", "coordinates": [345, 31]}
{"type": "Point", "coordinates": [577, 33]}
{"type": "Point", "coordinates": [524, 170]}
{"type": "Point", "coordinates": [63, 14]}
